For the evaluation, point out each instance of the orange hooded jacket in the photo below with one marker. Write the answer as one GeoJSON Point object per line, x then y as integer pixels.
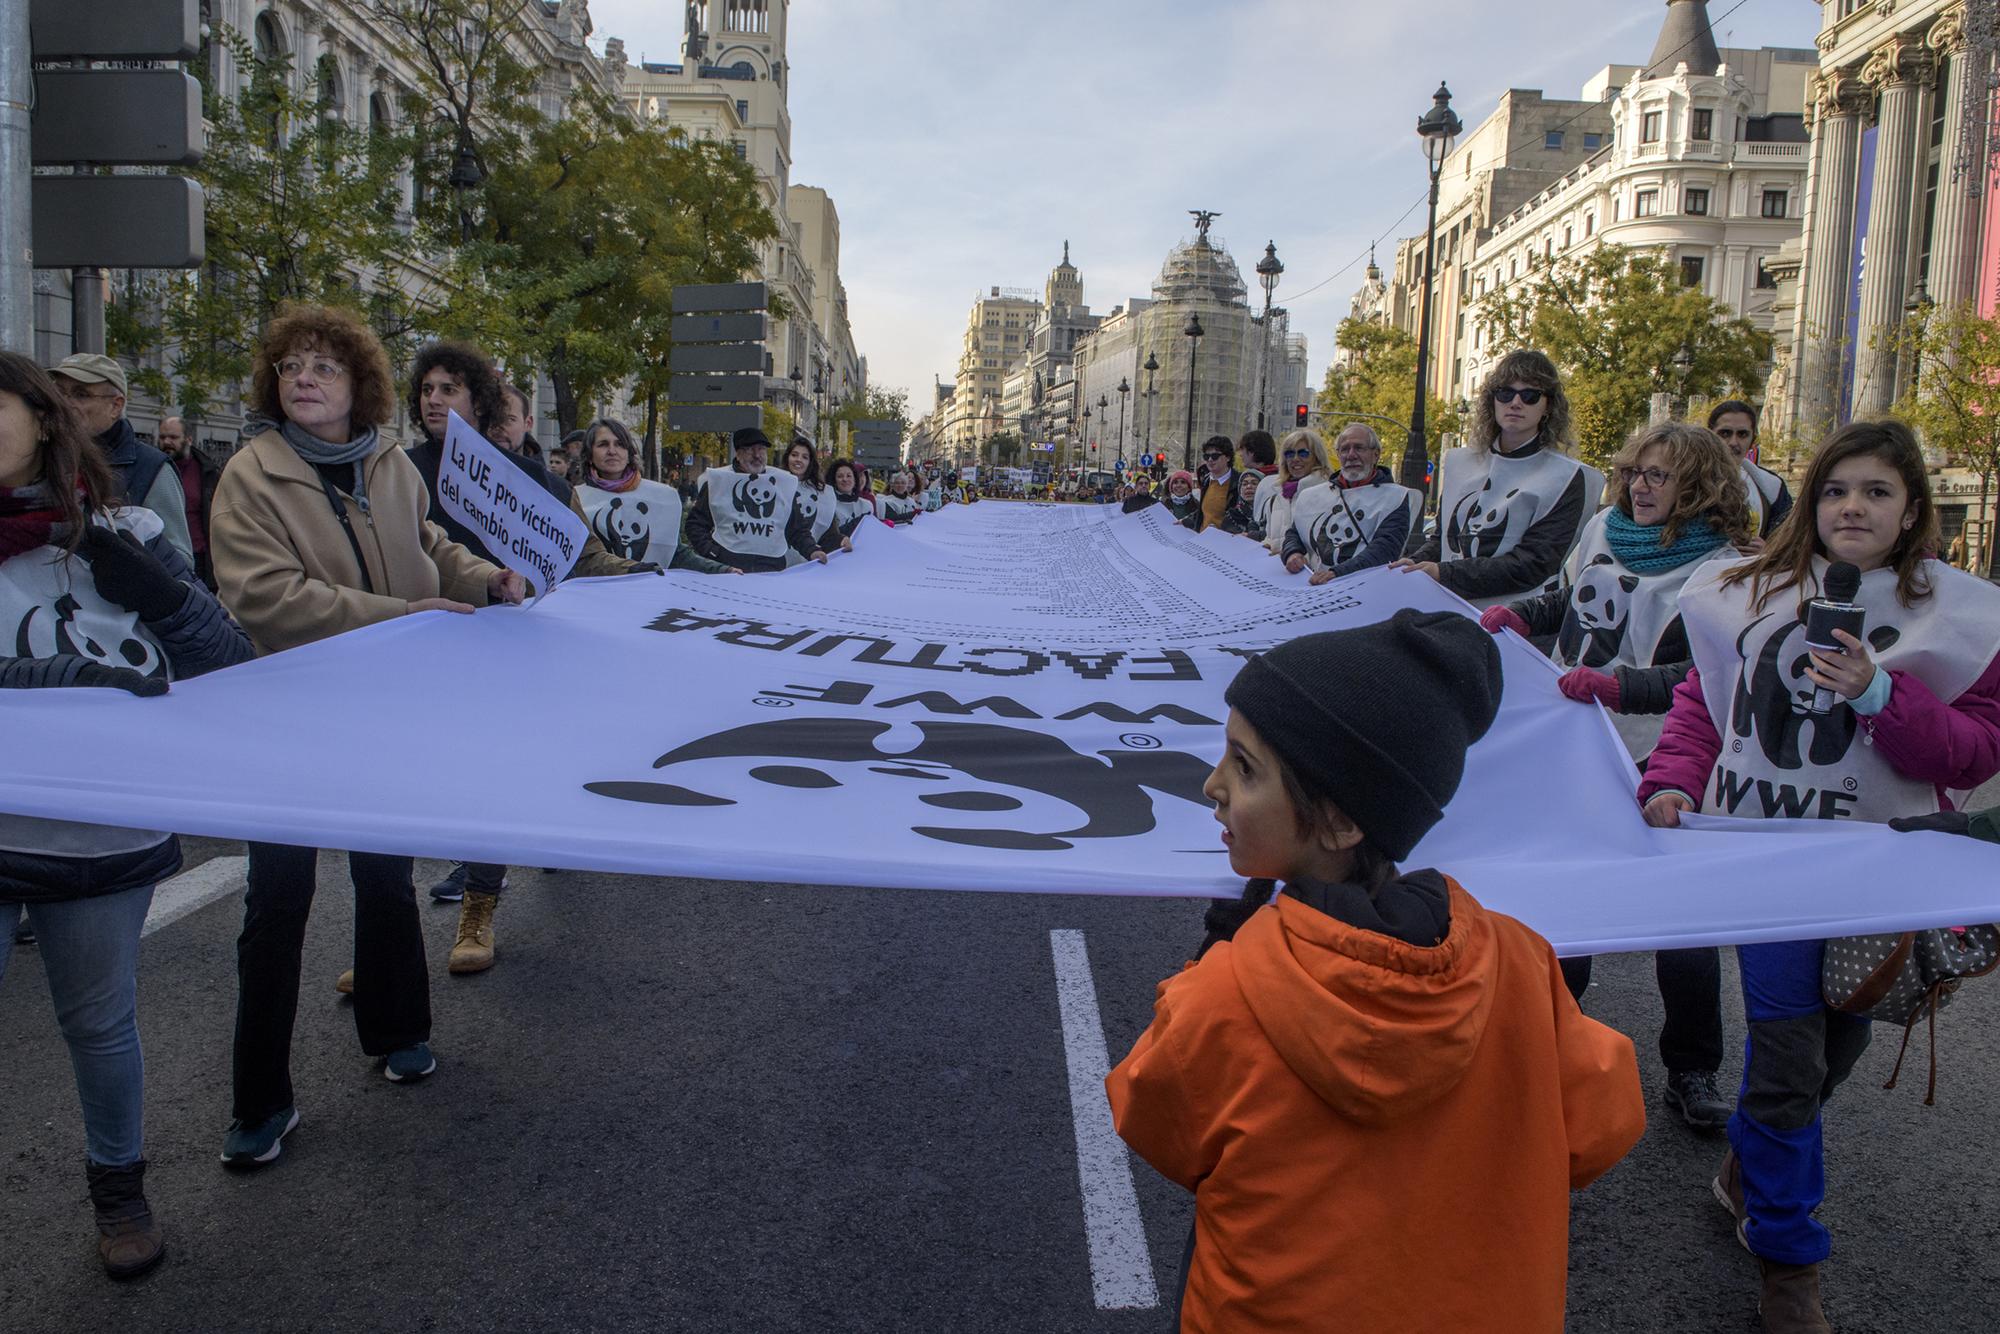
{"type": "Point", "coordinates": [1380, 1136]}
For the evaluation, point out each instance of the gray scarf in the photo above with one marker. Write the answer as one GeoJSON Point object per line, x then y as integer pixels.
{"type": "Point", "coordinates": [317, 451]}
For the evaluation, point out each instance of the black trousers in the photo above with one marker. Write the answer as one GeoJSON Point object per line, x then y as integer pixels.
{"type": "Point", "coordinates": [392, 995]}
{"type": "Point", "coordinates": [1691, 990]}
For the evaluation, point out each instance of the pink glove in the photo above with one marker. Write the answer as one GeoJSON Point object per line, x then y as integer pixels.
{"type": "Point", "coordinates": [1584, 685]}
{"type": "Point", "coordinates": [1496, 619]}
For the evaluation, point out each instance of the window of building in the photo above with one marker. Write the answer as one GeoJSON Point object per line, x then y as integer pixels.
{"type": "Point", "coordinates": [1593, 141]}
{"type": "Point", "coordinates": [1696, 203]}
{"type": "Point", "coordinates": [1691, 269]}
{"type": "Point", "coordinates": [1553, 140]}
{"type": "Point", "coordinates": [743, 111]}
{"type": "Point", "coordinates": [1777, 203]}
{"type": "Point", "coordinates": [1766, 280]}
{"type": "Point", "coordinates": [1649, 127]}
{"type": "Point", "coordinates": [1569, 237]}
{"type": "Point", "coordinates": [1703, 129]}
{"type": "Point", "coordinates": [742, 149]}
{"type": "Point", "coordinates": [1589, 225]}
{"type": "Point", "coordinates": [1646, 204]}
{"type": "Point", "coordinates": [1513, 269]}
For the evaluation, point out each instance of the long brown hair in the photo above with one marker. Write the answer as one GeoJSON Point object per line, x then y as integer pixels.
{"type": "Point", "coordinates": [1712, 486]}
{"type": "Point", "coordinates": [1534, 369]}
{"type": "Point", "coordinates": [1788, 555]}
{"type": "Point", "coordinates": [80, 481]}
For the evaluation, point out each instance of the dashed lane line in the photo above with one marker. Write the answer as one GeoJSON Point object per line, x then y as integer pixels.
{"type": "Point", "coordinates": [1121, 1266]}
{"type": "Point", "coordinates": [194, 890]}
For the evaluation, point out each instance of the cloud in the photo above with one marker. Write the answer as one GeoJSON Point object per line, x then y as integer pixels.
{"type": "Point", "coordinates": [964, 142]}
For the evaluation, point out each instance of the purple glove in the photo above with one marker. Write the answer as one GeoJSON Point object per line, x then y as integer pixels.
{"type": "Point", "coordinates": [1495, 619]}
{"type": "Point", "coordinates": [1584, 686]}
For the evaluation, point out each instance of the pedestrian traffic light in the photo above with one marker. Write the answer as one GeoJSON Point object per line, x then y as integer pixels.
{"type": "Point", "coordinates": [1303, 414]}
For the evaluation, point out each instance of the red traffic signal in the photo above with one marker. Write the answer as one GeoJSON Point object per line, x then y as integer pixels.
{"type": "Point", "coordinates": [1303, 414]}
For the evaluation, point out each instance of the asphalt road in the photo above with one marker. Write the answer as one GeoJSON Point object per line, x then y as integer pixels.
{"type": "Point", "coordinates": [681, 1105]}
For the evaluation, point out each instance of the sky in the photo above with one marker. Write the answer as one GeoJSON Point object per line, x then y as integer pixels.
{"type": "Point", "coordinates": [964, 142]}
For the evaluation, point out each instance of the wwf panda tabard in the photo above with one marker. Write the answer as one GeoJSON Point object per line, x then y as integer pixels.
{"type": "Point", "coordinates": [756, 496]}
{"type": "Point", "coordinates": [1489, 521]}
{"type": "Point", "coordinates": [1489, 501]}
{"type": "Point", "coordinates": [1593, 626]}
{"type": "Point", "coordinates": [750, 512]}
{"type": "Point", "coordinates": [1337, 537]}
{"type": "Point", "coordinates": [642, 524]}
{"type": "Point", "coordinates": [50, 606]}
{"type": "Point", "coordinates": [1779, 758]}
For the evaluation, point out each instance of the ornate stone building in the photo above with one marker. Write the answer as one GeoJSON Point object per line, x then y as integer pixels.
{"type": "Point", "coordinates": [1897, 199]}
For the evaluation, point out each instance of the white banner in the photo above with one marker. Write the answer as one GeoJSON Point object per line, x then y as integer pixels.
{"type": "Point", "coordinates": [524, 527]}
{"type": "Point", "coordinates": [1001, 697]}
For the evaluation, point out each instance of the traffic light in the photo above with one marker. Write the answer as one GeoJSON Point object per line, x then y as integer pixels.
{"type": "Point", "coordinates": [1303, 414]}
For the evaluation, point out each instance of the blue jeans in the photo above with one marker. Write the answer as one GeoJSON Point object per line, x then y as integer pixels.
{"type": "Point", "coordinates": [1796, 1053]}
{"type": "Point", "coordinates": [90, 951]}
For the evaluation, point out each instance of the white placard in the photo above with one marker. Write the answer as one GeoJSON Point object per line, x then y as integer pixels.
{"type": "Point", "coordinates": [524, 527]}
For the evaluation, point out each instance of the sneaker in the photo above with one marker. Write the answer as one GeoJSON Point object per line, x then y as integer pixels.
{"type": "Point", "coordinates": [410, 1064]}
{"type": "Point", "coordinates": [1728, 1189]}
{"type": "Point", "coordinates": [1695, 1095]}
{"type": "Point", "coordinates": [251, 1146]}
{"type": "Point", "coordinates": [452, 888]}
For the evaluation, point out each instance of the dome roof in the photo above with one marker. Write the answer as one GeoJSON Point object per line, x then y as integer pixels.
{"type": "Point", "coordinates": [1200, 271]}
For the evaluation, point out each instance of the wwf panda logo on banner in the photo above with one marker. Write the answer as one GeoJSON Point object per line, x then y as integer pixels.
{"type": "Point", "coordinates": [757, 497]}
{"type": "Point", "coordinates": [623, 527]}
{"type": "Point", "coordinates": [1484, 524]}
{"type": "Point", "coordinates": [1337, 536]}
{"type": "Point", "coordinates": [1600, 606]}
{"type": "Point", "coordinates": [67, 627]}
{"type": "Point", "coordinates": [1041, 794]}
{"type": "Point", "coordinates": [1772, 704]}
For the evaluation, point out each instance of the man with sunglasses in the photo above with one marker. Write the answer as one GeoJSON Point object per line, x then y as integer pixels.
{"type": "Point", "coordinates": [1735, 422]}
{"type": "Point", "coordinates": [1218, 478]}
{"type": "Point", "coordinates": [95, 386]}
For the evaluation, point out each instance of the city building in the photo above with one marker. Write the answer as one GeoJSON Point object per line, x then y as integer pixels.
{"type": "Point", "coordinates": [837, 374]}
{"type": "Point", "coordinates": [996, 337]}
{"type": "Point", "coordinates": [1213, 379]}
{"type": "Point", "coordinates": [1108, 357]}
{"type": "Point", "coordinates": [1699, 154]}
{"type": "Point", "coordinates": [1065, 319]}
{"type": "Point", "coordinates": [732, 85]}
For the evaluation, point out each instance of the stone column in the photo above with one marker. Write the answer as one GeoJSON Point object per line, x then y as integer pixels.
{"type": "Point", "coordinates": [1838, 109]}
{"type": "Point", "coordinates": [1955, 240]}
{"type": "Point", "coordinates": [1899, 73]}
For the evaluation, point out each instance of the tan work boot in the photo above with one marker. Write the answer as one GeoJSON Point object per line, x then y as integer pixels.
{"type": "Point", "coordinates": [472, 952]}
{"type": "Point", "coordinates": [344, 984]}
{"type": "Point", "coordinates": [1790, 1304]}
{"type": "Point", "coordinates": [1728, 1188]}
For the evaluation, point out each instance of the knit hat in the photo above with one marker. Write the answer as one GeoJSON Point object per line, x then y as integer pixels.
{"type": "Point", "coordinates": [748, 436]}
{"type": "Point", "coordinates": [1180, 475]}
{"type": "Point", "coordinates": [1393, 759]}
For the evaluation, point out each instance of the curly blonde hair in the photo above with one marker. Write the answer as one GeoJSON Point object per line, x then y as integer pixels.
{"type": "Point", "coordinates": [1712, 489]}
{"type": "Point", "coordinates": [1305, 435]}
{"type": "Point", "coordinates": [1525, 366]}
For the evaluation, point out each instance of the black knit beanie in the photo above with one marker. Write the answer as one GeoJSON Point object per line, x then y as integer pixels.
{"type": "Point", "coordinates": [1377, 719]}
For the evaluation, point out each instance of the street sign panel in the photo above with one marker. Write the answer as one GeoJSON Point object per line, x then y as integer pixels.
{"type": "Point", "coordinates": [720, 418]}
{"type": "Point", "coordinates": [115, 29]}
{"type": "Point", "coordinates": [117, 115]}
{"type": "Point", "coordinates": [718, 328]}
{"type": "Point", "coordinates": [715, 389]}
{"type": "Point", "coordinates": [117, 222]}
{"type": "Point", "coordinates": [720, 297]}
{"type": "Point", "coordinates": [714, 358]}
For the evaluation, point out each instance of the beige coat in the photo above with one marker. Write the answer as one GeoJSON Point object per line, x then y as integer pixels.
{"type": "Point", "coordinates": [287, 572]}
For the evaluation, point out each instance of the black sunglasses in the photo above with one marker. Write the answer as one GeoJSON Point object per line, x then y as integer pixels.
{"type": "Point", "coordinates": [1214, 456]}
{"type": "Point", "coordinates": [1528, 397]}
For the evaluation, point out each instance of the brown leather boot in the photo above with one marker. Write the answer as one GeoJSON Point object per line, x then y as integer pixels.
{"type": "Point", "coordinates": [472, 952]}
{"type": "Point", "coordinates": [1728, 1188]}
{"type": "Point", "coordinates": [1790, 1304]}
{"type": "Point", "coordinates": [129, 1240]}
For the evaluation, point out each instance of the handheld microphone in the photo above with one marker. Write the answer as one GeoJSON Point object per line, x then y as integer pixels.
{"type": "Point", "coordinates": [1834, 609]}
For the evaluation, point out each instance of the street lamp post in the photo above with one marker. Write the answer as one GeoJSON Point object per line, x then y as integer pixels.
{"type": "Point", "coordinates": [1268, 270]}
{"type": "Point", "coordinates": [1194, 333]}
{"type": "Point", "coordinates": [1152, 368]}
{"type": "Point", "coordinates": [1089, 448]}
{"type": "Point", "coordinates": [1104, 420]}
{"type": "Point", "coordinates": [1124, 388]}
{"type": "Point", "coordinates": [1438, 127]}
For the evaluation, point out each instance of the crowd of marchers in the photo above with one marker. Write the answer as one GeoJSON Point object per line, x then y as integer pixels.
{"type": "Point", "coordinates": [1352, 1035]}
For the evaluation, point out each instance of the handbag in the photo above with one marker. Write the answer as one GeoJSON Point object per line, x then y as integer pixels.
{"type": "Point", "coordinates": [1905, 977]}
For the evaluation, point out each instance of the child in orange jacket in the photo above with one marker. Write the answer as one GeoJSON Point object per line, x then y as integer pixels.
{"type": "Point", "coordinates": [1380, 1092]}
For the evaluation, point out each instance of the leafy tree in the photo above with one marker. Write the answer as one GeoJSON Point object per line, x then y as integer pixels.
{"type": "Point", "coordinates": [1618, 323]}
{"type": "Point", "coordinates": [300, 207]}
{"type": "Point", "coordinates": [874, 404]}
{"type": "Point", "coordinates": [1954, 394]}
{"type": "Point", "coordinates": [1379, 382]}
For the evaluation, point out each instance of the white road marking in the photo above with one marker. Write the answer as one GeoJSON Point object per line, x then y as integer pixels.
{"type": "Point", "coordinates": [1121, 1267]}
{"type": "Point", "coordinates": [192, 890]}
